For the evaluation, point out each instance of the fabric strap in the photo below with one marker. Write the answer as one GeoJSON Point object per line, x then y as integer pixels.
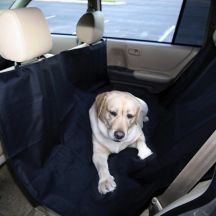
{"type": "Point", "coordinates": [197, 167]}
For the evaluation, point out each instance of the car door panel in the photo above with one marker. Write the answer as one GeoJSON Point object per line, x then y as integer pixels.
{"type": "Point", "coordinates": [148, 63]}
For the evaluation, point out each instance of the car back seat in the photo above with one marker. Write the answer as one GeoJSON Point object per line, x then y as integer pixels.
{"type": "Point", "coordinates": [24, 38]}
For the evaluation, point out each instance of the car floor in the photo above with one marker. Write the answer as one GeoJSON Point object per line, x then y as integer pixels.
{"type": "Point", "coordinates": [12, 200]}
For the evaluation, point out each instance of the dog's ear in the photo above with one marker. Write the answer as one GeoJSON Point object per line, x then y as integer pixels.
{"type": "Point", "coordinates": [142, 113]}
{"type": "Point", "coordinates": [100, 103]}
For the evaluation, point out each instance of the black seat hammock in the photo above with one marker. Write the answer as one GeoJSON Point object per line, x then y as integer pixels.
{"type": "Point", "coordinates": [46, 133]}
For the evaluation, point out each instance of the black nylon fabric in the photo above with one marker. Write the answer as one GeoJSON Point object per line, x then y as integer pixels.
{"type": "Point", "coordinates": [184, 126]}
{"type": "Point", "coordinates": [46, 131]}
{"type": "Point", "coordinates": [86, 67]}
{"type": "Point", "coordinates": [47, 136]}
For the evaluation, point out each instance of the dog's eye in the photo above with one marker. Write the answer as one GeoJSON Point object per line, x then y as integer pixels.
{"type": "Point", "coordinates": [113, 113]}
{"type": "Point", "coordinates": [130, 116]}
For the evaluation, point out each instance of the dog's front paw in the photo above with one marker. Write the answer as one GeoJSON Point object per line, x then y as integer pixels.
{"type": "Point", "coordinates": [144, 153]}
{"type": "Point", "coordinates": [106, 185]}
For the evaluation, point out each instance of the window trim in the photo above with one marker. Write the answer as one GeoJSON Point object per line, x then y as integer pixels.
{"type": "Point", "coordinates": [179, 21]}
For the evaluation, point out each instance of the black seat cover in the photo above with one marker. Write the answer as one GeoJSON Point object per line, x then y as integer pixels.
{"type": "Point", "coordinates": [47, 136]}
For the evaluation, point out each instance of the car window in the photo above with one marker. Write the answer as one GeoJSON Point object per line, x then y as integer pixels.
{"type": "Point", "coordinates": [4, 4]}
{"type": "Point", "coordinates": [142, 19]}
{"type": "Point", "coordinates": [165, 21]}
{"type": "Point", "coordinates": [132, 19]}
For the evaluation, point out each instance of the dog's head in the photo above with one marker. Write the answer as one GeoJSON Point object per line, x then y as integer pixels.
{"type": "Point", "coordinates": [119, 112]}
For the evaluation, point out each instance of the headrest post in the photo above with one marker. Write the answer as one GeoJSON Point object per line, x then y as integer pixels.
{"type": "Point", "coordinates": [214, 37]}
{"type": "Point", "coordinates": [17, 64]}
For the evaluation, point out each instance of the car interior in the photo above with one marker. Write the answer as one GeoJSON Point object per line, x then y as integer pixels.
{"type": "Point", "coordinates": [48, 83]}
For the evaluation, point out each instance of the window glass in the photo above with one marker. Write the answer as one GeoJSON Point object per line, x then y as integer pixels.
{"type": "Point", "coordinates": [149, 20]}
{"type": "Point", "coordinates": [62, 15]}
{"type": "Point", "coordinates": [4, 4]}
{"type": "Point", "coordinates": [152, 20]}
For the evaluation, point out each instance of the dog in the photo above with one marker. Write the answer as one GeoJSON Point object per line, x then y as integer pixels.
{"type": "Point", "coordinates": [116, 119]}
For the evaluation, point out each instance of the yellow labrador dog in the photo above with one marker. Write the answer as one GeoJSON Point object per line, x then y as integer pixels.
{"type": "Point", "coordinates": [116, 119]}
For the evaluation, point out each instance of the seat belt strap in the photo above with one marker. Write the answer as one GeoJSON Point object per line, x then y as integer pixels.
{"type": "Point", "coordinates": [197, 167]}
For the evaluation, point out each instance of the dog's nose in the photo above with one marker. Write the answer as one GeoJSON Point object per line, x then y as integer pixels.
{"type": "Point", "coordinates": [119, 134]}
